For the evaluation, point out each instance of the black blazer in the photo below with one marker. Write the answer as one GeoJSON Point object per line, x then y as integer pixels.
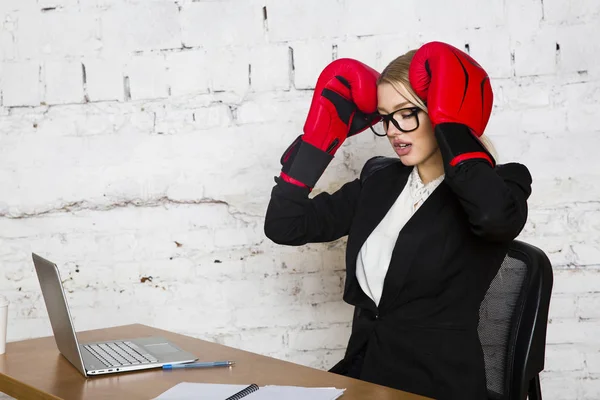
{"type": "Point", "coordinates": [423, 336]}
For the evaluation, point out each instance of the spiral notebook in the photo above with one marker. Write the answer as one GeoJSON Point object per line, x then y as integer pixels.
{"type": "Point", "coordinates": [213, 391]}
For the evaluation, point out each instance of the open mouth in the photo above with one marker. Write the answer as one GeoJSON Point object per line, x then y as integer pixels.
{"type": "Point", "coordinates": [402, 149]}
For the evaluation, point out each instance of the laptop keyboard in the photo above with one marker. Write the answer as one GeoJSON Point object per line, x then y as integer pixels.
{"type": "Point", "coordinates": [118, 354]}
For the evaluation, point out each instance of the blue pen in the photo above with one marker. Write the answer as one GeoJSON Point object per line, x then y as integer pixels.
{"type": "Point", "coordinates": [200, 365]}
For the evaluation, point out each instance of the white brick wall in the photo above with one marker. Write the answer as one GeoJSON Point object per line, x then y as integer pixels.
{"type": "Point", "coordinates": [138, 141]}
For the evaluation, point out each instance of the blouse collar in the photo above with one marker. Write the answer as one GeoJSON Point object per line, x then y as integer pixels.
{"type": "Point", "coordinates": [418, 189]}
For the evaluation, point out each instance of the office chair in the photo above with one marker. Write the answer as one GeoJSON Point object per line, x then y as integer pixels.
{"type": "Point", "coordinates": [512, 324]}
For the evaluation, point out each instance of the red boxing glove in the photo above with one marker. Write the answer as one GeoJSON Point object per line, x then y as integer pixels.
{"type": "Point", "coordinates": [454, 86]}
{"type": "Point", "coordinates": [344, 87]}
{"type": "Point", "coordinates": [456, 90]}
{"type": "Point", "coordinates": [343, 104]}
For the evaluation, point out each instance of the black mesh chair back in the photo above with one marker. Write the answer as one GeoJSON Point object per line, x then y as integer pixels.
{"type": "Point", "coordinates": [512, 324]}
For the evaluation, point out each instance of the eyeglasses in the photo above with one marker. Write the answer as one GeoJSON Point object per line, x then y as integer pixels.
{"type": "Point", "coordinates": [404, 119]}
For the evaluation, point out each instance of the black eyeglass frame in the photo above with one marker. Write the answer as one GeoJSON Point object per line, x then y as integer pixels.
{"type": "Point", "coordinates": [390, 117]}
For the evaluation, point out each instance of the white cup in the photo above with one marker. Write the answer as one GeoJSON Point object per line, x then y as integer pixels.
{"type": "Point", "coordinates": [3, 323]}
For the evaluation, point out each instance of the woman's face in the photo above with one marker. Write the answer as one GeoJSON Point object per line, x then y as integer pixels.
{"type": "Point", "coordinates": [414, 147]}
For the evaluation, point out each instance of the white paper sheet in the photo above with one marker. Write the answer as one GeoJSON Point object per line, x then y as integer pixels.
{"type": "Point", "coordinates": [213, 391]}
{"type": "Point", "coordinates": [295, 393]}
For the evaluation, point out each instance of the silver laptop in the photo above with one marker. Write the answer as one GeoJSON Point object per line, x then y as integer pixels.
{"type": "Point", "coordinates": [99, 357]}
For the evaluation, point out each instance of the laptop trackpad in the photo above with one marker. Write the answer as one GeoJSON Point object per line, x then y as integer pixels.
{"type": "Point", "coordinates": [161, 348]}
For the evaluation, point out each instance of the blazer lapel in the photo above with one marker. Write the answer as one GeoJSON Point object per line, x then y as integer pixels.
{"type": "Point", "coordinates": [381, 192]}
{"type": "Point", "coordinates": [407, 244]}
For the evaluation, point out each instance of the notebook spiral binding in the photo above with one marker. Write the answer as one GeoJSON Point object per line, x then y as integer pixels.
{"type": "Point", "coordinates": [243, 393]}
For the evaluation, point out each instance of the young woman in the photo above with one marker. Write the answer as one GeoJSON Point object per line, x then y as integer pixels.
{"type": "Point", "coordinates": [427, 231]}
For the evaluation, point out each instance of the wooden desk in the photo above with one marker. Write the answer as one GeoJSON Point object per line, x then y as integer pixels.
{"type": "Point", "coordinates": [34, 369]}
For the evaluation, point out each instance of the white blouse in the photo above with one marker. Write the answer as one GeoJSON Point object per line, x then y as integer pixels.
{"type": "Point", "coordinates": [376, 253]}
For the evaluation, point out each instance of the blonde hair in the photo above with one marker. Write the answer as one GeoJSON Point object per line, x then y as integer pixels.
{"type": "Point", "coordinates": [396, 74]}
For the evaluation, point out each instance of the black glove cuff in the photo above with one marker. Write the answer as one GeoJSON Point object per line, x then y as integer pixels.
{"type": "Point", "coordinates": [304, 162]}
{"type": "Point", "coordinates": [458, 145]}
